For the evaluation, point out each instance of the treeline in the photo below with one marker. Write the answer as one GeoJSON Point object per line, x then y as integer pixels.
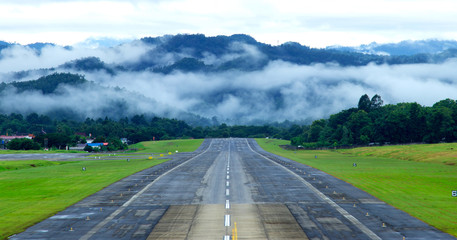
{"type": "Point", "coordinates": [373, 123]}
{"type": "Point", "coordinates": [62, 133]}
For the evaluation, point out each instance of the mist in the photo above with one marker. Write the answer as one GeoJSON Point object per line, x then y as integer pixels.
{"type": "Point", "coordinates": [279, 91]}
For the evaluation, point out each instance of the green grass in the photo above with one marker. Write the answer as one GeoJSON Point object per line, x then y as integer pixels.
{"type": "Point", "coordinates": [17, 165]}
{"type": "Point", "coordinates": [38, 151]}
{"type": "Point", "coordinates": [438, 153]}
{"type": "Point", "coordinates": [30, 194]}
{"type": "Point", "coordinates": [184, 145]}
{"type": "Point", "coordinates": [417, 179]}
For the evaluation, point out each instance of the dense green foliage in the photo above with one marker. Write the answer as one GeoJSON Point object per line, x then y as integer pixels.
{"type": "Point", "coordinates": [23, 144]}
{"type": "Point", "coordinates": [373, 123]}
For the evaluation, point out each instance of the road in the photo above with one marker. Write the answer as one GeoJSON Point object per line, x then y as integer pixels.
{"type": "Point", "coordinates": [231, 187]}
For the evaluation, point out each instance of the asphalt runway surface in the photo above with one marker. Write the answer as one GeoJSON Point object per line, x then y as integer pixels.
{"type": "Point", "coordinates": [231, 187]}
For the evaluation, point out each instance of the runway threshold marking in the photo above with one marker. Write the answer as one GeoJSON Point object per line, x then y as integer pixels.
{"type": "Point", "coordinates": [101, 224]}
{"type": "Point", "coordinates": [343, 212]}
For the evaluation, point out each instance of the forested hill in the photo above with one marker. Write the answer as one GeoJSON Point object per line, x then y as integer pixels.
{"type": "Point", "coordinates": [430, 46]}
{"type": "Point", "coordinates": [205, 80]}
{"type": "Point", "coordinates": [197, 52]}
{"type": "Point", "coordinates": [199, 47]}
{"type": "Point", "coordinates": [72, 97]}
{"type": "Point", "coordinates": [47, 84]}
{"type": "Point", "coordinates": [371, 122]}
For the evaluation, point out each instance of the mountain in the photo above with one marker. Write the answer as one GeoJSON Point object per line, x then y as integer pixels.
{"type": "Point", "coordinates": [204, 80]}
{"type": "Point", "coordinates": [47, 84]}
{"type": "Point", "coordinates": [197, 52]}
{"type": "Point", "coordinates": [71, 96]}
{"type": "Point", "coordinates": [406, 48]}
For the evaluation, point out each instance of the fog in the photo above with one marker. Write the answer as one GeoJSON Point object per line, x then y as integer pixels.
{"type": "Point", "coordinates": [278, 92]}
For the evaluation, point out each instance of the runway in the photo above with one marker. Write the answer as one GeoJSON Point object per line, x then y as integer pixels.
{"type": "Point", "coordinates": [231, 187]}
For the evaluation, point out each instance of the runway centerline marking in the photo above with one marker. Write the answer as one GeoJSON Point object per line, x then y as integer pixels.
{"type": "Point", "coordinates": [227, 220]}
{"type": "Point", "coordinates": [227, 192]}
{"type": "Point", "coordinates": [227, 204]}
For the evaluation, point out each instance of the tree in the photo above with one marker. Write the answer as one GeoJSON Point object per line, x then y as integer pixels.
{"type": "Point", "coordinates": [88, 148]}
{"type": "Point", "coordinates": [359, 124]}
{"type": "Point", "coordinates": [22, 144]}
{"type": "Point", "coordinates": [99, 139]}
{"type": "Point", "coordinates": [316, 129]}
{"type": "Point", "coordinates": [440, 125]}
{"type": "Point", "coordinates": [56, 140]}
{"type": "Point", "coordinates": [364, 103]}
{"type": "Point", "coordinates": [376, 102]}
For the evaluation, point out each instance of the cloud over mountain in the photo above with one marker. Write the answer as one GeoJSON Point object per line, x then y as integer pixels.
{"type": "Point", "coordinates": [235, 79]}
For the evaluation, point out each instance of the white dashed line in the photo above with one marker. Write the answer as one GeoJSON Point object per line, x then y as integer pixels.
{"type": "Point", "coordinates": [227, 184]}
{"type": "Point", "coordinates": [227, 192]}
{"type": "Point", "coordinates": [227, 220]}
{"type": "Point", "coordinates": [227, 204]}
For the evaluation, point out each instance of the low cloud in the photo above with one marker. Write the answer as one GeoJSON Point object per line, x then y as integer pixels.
{"type": "Point", "coordinates": [280, 91]}
{"type": "Point", "coordinates": [285, 91]}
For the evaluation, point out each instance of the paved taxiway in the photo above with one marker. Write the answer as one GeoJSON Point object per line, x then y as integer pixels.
{"type": "Point", "coordinates": [201, 195]}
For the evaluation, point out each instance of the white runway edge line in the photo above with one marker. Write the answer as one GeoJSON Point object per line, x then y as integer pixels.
{"type": "Point", "coordinates": [343, 212]}
{"type": "Point", "coordinates": [126, 204]}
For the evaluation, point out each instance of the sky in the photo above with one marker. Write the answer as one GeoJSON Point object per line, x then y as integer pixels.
{"type": "Point", "coordinates": [312, 23]}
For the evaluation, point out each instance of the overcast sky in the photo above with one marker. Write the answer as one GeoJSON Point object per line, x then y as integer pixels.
{"type": "Point", "coordinates": [314, 23]}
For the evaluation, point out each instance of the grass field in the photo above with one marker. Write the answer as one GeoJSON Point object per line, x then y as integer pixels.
{"type": "Point", "coordinates": [184, 145]}
{"type": "Point", "coordinates": [32, 190]}
{"type": "Point", "coordinates": [37, 151]}
{"type": "Point", "coordinates": [438, 153]}
{"type": "Point", "coordinates": [400, 175]}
